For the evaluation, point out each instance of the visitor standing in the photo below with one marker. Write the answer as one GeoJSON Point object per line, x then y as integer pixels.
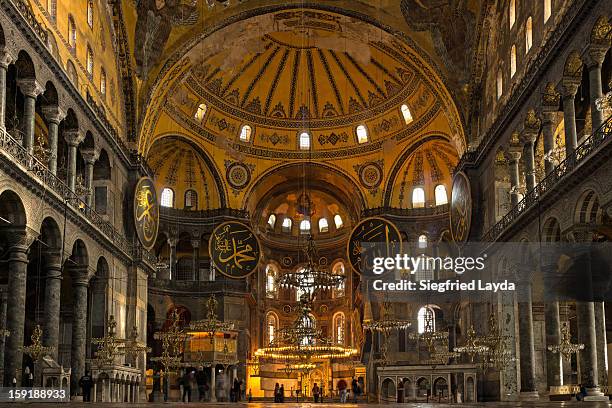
{"type": "Point", "coordinates": [315, 392]}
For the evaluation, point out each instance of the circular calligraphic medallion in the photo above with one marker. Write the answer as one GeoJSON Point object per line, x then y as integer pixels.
{"type": "Point", "coordinates": [372, 238]}
{"type": "Point", "coordinates": [234, 249]}
{"type": "Point", "coordinates": [238, 175]}
{"type": "Point", "coordinates": [460, 208]}
{"type": "Point", "coordinates": [146, 212]}
{"type": "Point", "coordinates": [370, 175]}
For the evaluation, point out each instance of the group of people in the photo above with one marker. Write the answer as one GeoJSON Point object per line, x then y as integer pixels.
{"type": "Point", "coordinates": [194, 378]}
{"type": "Point", "coordinates": [279, 393]}
{"type": "Point", "coordinates": [343, 390]}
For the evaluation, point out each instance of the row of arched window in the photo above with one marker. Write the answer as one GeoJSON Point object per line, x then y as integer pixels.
{"type": "Point", "coordinates": [512, 13]}
{"type": "Point", "coordinates": [305, 138]}
{"type": "Point", "coordinates": [167, 199]}
{"type": "Point", "coordinates": [418, 196]}
{"type": "Point", "coordinates": [272, 274]}
{"type": "Point", "coordinates": [338, 325]}
{"type": "Point", "coordinates": [305, 225]}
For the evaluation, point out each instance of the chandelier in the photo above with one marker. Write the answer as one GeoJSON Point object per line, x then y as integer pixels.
{"type": "Point", "coordinates": [498, 354]}
{"type": "Point", "coordinates": [133, 347]}
{"type": "Point", "coordinates": [172, 339]}
{"type": "Point", "coordinates": [108, 346]}
{"type": "Point", "coordinates": [211, 324]}
{"type": "Point", "coordinates": [386, 324]}
{"type": "Point", "coordinates": [429, 336]}
{"type": "Point", "coordinates": [36, 350]}
{"type": "Point", "coordinates": [565, 347]}
{"type": "Point", "coordinates": [441, 355]}
{"type": "Point", "coordinates": [472, 347]}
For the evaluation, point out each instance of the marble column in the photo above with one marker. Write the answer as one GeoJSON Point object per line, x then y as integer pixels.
{"type": "Point", "coordinates": [589, 376]}
{"type": "Point", "coordinates": [513, 161]}
{"type": "Point", "coordinates": [527, 347]}
{"type": "Point", "coordinates": [554, 374]}
{"type": "Point", "coordinates": [213, 393]}
{"type": "Point", "coordinates": [16, 301]}
{"type": "Point", "coordinates": [195, 243]}
{"type": "Point", "coordinates": [5, 61]}
{"type": "Point", "coordinates": [79, 323]}
{"type": "Point", "coordinates": [54, 115]}
{"type": "Point", "coordinates": [73, 138]}
{"type": "Point", "coordinates": [600, 339]}
{"type": "Point", "coordinates": [3, 300]}
{"type": "Point", "coordinates": [30, 89]}
{"type": "Point", "coordinates": [548, 135]}
{"type": "Point", "coordinates": [53, 286]}
{"type": "Point", "coordinates": [569, 116]}
{"type": "Point", "coordinates": [529, 138]}
{"type": "Point", "coordinates": [596, 54]}
{"type": "Point", "coordinates": [90, 156]}
{"type": "Point", "coordinates": [172, 271]}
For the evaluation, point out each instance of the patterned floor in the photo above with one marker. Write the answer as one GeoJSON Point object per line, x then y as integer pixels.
{"type": "Point", "coordinates": [535, 404]}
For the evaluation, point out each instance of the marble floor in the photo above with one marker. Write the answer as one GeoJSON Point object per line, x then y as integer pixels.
{"type": "Point", "coordinates": [534, 404]}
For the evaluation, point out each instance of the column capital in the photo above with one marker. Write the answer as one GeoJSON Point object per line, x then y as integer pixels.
{"type": "Point", "coordinates": [172, 242]}
{"type": "Point", "coordinates": [19, 239]}
{"type": "Point", "coordinates": [53, 113]}
{"type": "Point", "coordinates": [550, 97]}
{"type": "Point", "coordinates": [532, 121]}
{"type": "Point", "coordinates": [30, 87]}
{"type": "Point", "coordinates": [79, 275]}
{"type": "Point", "coordinates": [73, 137]}
{"type": "Point", "coordinates": [570, 87]}
{"type": "Point", "coordinates": [549, 116]}
{"type": "Point", "coordinates": [596, 55]}
{"type": "Point", "coordinates": [6, 58]}
{"type": "Point", "coordinates": [195, 243]}
{"type": "Point", "coordinates": [529, 136]}
{"type": "Point", "coordinates": [513, 155]}
{"type": "Point", "coordinates": [90, 155]}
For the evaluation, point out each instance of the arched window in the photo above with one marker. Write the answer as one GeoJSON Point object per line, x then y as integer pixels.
{"type": "Point", "coordinates": [72, 35]}
{"type": "Point", "coordinates": [90, 13]}
{"type": "Point", "coordinates": [90, 60]}
{"type": "Point", "coordinates": [547, 10]}
{"type": "Point", "coordinates": [422, 241]}
{"type": "Point", "coordinates": [528, 35]}
{"type": "Point", "coordinates": [305, 226]}
{"type": "Point", "coordinates": [418, 198]}
{"type": "Point", "coordinates": [304, 141]}
{"type": "Point", "coordinates": [406, 114]}
{"type": "Point", "coordinates": [441, 196]}
{"type": "Point", "coordinates": [338, 221]}
{"type": "Point", "coordinates": [512, 61]}
{"type": "Point", "coordinates": [199, 115]}
{"type": "Point", "coordinates": [72, 74]}
{"type": "Point", "coordinates": [426, 319]}
{"type": "Point", "coordinates": [272, 323]}
{"type": "Point", "coordinates": [500, 84]}
{"type": "Point", "coordinates": [272, 220]}
{"type": "Point", "coordinates": [245, 133]}
{"type": "Point", "coordinates": [287, 224]}
{"type": "Point", "coordinates": [52, 8]}
{"type": "Point", "coordinates": [339, 323]}
{"type": "Point", "coordinates": [167, 198]}
{"type": "Point", "coordinates": [338, 269]}
{"type": "Point", "coordinates": [512, 13]}
{"type": "Point", "coordinates": [271, 274]}
{"type": "Point", "coordinates": [323, 225]}
{"type": "Point", "coordinates": [362, 134]}
{"type": "Point", "coordinates": [103, 82]}
{"type": "Point", "coordinates": [191, 200]}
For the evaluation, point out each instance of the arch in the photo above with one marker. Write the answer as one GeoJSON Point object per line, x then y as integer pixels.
{"type": "Point", "coordinates": [323, 224]}
{"type": "Point", "coordinates": [25, 66]}
{"type": "Point", "coordinates": [88, 142]}
{"type": "Point", "coordinates": [573, 65]}
{"type": "Point", "coordinates": [547, 10]}
{"type": "Point", "coordinates": [440, 387]}
{"type": "Point", "coordinates": [287, 224]}
{"type": "Point", "coordinates": [12, 210]}
{"type": "Point", "coordinates": [406, 114]}
{"type": "Point", "coordinates": [90, 60]}
{"type": "Point", "coordinates": [441, 195]}
{"type": "Point", "coordinates": [245, 133]}
{"type": "Point", "coordinates": [512, 13]}
{"type": "Point", "coordinates": [102, 167]}
{"type": "Point", "coordinates": [388, 389]}
{"type": "Point", "coordinates": [528, 34]}
{"type": "Point", "coordinates": [423, 387]}
{"type": "Point", "coordinates": [50, 234]}
{"type": "Point", "coordinates": [90, 13]}
{"type": "Point", "coordinates": [500, 83]}
{"type": "Point", "coordinates": [422, 243]}
{"type": "Point", "coordinates": [79, 256]}
{"type": "Point", "coordinates": [271, 277]}
{"type": "Point", "coordinates": [338, 268]}
{"type": "Point", "coordinates": [272, 221]}
{"type": "Point", "coordinates": [50, 95]}
{"type": "Point", "coordinates": [191, 199]}
{"type": "Point", "coordinates": [512, 60]}
{"type": "Point", "coordinates": [271, 326]}
{"type": "Point", "coordinates": [52, 10]}
{"type": "Point", "coordinates": [102, 81]}
{"type": "Point", "coordinates": [338, 222]}
{"type": "Point", "coordinates": [551, 230]}
{"type": "Point", "coordinates": [469, 392]}
{"type": "Point", "coordinates": [339, 328]}
{"type": "Point", "coordinates": [588, 210]}
{"type": "Point", "coordinates": [362, 134]}
{"type": "Point", "coordinates": [304, 141]}
{"type": "Point", "coordinates": [418, 197]}
{"type": "Point", "coordinates": [167, 197]}
{"type": "Point", "coordinates": [305, 226]}
{"type": "Point", "coordinates": [72, 33]}
{"type": "Point", "coordinates": [72, 73]}
{"type": "Point", "coordinates": [426, 319]}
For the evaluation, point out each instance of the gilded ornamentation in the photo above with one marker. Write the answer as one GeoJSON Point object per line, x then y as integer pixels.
{"type": "Point", "coordinates": [532, 121]}
{"type": "Point", "coordinates": [573, 65]}
{"type": "Point", "coordinates": [238, 175]}
{"type": "Point", "coordinates": [333, 138]}
{"type": "Point", "coordinates": [387, 125]}
{"type": "Point", "coordinates": [371, 238]}
{"type": "Point", "coordinates": [234, 250]}
{"type": "Point", "coordinates": [551, 96]}
{"type": "Point", "coordinates": [370, 174]}
{"type": "Point", "coordinates": [274, 138]}
{"type": "Point", "coordinates": [602, 32]}
{"type": "Point", "coordinates": [460, 208]}
{"type": "Point", "coordinates": [146, 212]}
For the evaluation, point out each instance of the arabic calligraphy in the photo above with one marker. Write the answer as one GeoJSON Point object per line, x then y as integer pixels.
{"type": "Point", "coordinates": [234, 249]}
{"type": "Point", "coordinates": [372, 238]}
{"type": "Point", "coordinates": [461, 207]}
{"type": "Point", "coordinates": [146, 214]}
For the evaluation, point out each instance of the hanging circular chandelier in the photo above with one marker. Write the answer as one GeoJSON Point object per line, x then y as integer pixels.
{"type": "Point", "coordinates": [386, 324]}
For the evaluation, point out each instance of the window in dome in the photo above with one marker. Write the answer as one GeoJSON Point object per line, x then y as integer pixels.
{"type": "Point", "coordinates": [338, 269]}
{"type": "Point", "coordinates": [323, 225]}
{"type": "Point", "coordinates": [422, 241]}
{"type": "Point", "coordinates": [103, 82]}
{"type": "Point", "coordinates": [167, 198]}
{"type": "Point", "coordinates": [418, 198]}
{"type": "Point", "coordinates": [72, 35]}
{"type": "Point", "coordinates": [406, 114]}
{"type": "Point", "coordinates": [272, 326]}
{"type": "Point", "coordinates": [528, 35]}
{"type": "Point", "coordinates": [512, 61]}
{"type": "Point", "coordinates": [52, 4]}
{"type": "Point", "coordinates": [245, 133]}
{"type": "Point", "coordinates": [90, 60]}
{"type": "Point", "coordinates": [362, 134]}
{"type": "Point", "coordinates": [338, 221]}
{"type": "Point", "coordinates": [305, 226]}
{"type": "Point", "coordinates": [500, 84]}
{"type": "Point", "coordinates": [304, 141]}
{"type": "Point", "coordinates": [287, 224]}
{"type": "Point", "coordinates": [547, 9]}
{"type": "Point", "coordinates": [200, 112]}
{"type": "Point", "coordinates": [426, 319]}
{"type": "Point", "coordinates": [441, 196]}
{"type": "Point", "coordinates": [339, 328]}
{"type": "Point", "coordinates": [512, 13]}
{"type": "Point", "coordinates": [90, 13]}
{"type": "Point", "coordinates": [271, 287]}
{"type": "Point", "coordinates": [191, 200]}
{"type": "Point", "coordinates": [272, 220]}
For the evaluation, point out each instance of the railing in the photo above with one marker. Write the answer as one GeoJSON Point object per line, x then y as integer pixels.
{"type": "Point", "coordinates": [591, 144]}
{"type": "Point", "coordinates": [12, 148]}
{"type": "Point", "coordinates": [200, 286]}
{"type": "Point", "coordinates": [203, 214]}
{"type": "Point", "coordinates": [430, 209]}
